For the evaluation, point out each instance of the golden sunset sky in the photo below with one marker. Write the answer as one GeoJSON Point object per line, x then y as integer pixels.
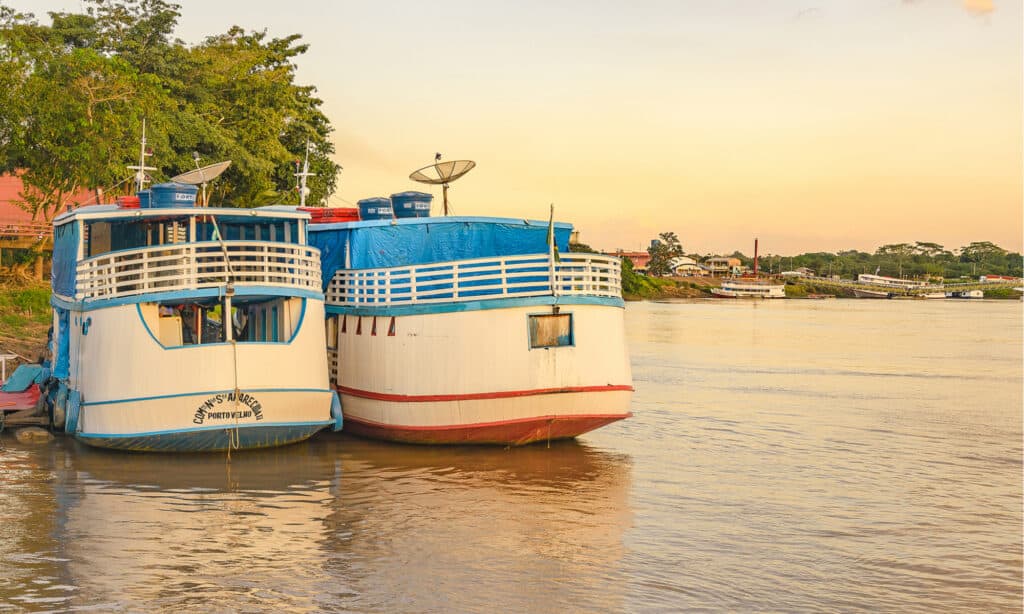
{"type": "Point", "coordinates": [815, 126]}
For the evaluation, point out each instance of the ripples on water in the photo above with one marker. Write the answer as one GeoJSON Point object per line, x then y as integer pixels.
{"type": "Point", "coordinates": [798, 455]}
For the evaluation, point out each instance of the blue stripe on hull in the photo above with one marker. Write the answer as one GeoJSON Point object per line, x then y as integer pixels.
{"type": "Point", "coordinates": [483, 304]}
{"type": "Point", "coordinates": [208, 440]}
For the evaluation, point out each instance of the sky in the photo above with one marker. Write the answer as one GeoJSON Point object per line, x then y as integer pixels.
{"type": "Point", "coordinates": [813, 125]}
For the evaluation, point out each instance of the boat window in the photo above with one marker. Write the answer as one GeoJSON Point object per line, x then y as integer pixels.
{"type": "Point", "coordinates": [331, 329]}
{"type": "Point", "coordinates": [254, 229]}
{"type": "Point", "coordinates": [260, 321]}
{"type": "Point", "coordinates": [550, 330]}
{"type": "Point", "coordinates": [104, 236]}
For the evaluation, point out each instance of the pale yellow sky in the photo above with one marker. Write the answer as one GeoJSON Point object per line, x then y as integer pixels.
{"type": "Point", "coordinates": [815, 126]}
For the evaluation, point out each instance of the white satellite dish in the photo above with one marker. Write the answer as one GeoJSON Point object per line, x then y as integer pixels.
{"type": "Point", "coordinates": [202, 176]}
{"type": "Point", "coordinates": [442, 173]}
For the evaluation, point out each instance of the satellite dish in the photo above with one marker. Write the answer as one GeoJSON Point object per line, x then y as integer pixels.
{"type": "Point", "coordinates": [202, 175]}
{"type": "Point", "coordinates": [443, 173]}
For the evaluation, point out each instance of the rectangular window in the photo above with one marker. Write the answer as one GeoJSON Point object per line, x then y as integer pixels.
{"type": "Point", "coordinates": [331, 329]}
{"type": "Point", "coordinates": [554, 330]}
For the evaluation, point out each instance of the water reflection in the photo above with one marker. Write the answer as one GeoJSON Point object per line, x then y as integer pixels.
{"type": "Point", "coordinates": [336, 523]}
{"type": "Point", "coordinates": [29, 565]}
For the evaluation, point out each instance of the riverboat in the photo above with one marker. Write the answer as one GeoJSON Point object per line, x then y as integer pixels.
{"type": "Point", "coordinates": [184, 328]}
{"type": "Point", "coordinates": [749, 288]}
{"type": "Point", "coordinates": [966, 294]}
{"type": "Point", "coordinates": [891, 282]}
{"type": "Point", "coordinates": [865, 293]}
{"type": "Point", "coordinates": [472, 330]}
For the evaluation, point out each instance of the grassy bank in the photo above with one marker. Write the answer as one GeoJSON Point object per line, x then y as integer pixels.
{"type": "Point", "coordinates": [24, 318]}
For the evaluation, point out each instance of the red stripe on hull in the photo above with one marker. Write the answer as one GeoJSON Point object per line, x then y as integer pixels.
{"type": "Point", "coordinates": [474, 396]}
{"type": "Point", "coordinates": [508, 432]}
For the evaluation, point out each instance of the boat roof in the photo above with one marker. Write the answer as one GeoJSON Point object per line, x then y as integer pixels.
{"type": "Point", "coordinates": [426, 221]}
{"type": "Point", "coordinates": [114, 212]}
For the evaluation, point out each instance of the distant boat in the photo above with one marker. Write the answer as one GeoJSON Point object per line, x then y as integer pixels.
{"type": "Point", "coordinates": [749, 288]}
{"type": "Point", "coordinates": [966, 294]}
{"type": "Point", "coordinates": [862, 293]}
{"type": "Point", "coordinates": [890, 282]}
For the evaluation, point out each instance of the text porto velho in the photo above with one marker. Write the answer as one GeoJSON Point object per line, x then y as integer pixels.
{"type": "Point", "coordinates": [206, 411]}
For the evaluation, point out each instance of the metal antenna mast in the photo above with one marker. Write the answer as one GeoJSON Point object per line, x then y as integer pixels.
{"type": "Point", "coordinates": [140, 170]}
{"type": "Point", "coordinates": [303, 190]}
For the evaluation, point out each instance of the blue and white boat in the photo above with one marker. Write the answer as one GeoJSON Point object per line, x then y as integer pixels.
{"type": "Point", "coordinates": [181, 328]}
{"type": "Point", "coordinates": [472, 330]}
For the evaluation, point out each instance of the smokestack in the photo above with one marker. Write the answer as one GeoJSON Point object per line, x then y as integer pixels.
{"type": "Point", "coordinates": [755, 257]}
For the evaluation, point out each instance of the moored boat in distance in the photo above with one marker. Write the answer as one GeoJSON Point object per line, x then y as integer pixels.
{"type": "Point", "coordinates": [179, 328]}
{"type": "Point", "coordinates": [865, 293]}
{"type": "Point", "coordinates": [471, 330]}
{"type": "Point", "coordinates": [749, 288]}
{"type": "Point", "coordinates": [966, 294]}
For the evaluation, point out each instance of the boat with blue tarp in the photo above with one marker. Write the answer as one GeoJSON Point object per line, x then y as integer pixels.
{"type": "Point", "coordinates": [478, 330]}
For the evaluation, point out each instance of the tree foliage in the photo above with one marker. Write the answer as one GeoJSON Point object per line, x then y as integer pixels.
{"type": "Point", "coordinates": [921, 259]}
{"type": "Point", "coordinates": [73, 95]}
{"type": "Point", "coordinates": [662, 252]}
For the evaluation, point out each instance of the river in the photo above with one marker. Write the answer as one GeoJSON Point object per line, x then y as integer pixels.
{"type": "Point", "coordinates": [833, 455]}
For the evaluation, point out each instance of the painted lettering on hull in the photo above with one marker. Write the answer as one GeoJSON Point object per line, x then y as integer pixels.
{"type": "Point", "coordinates": [210, 409]}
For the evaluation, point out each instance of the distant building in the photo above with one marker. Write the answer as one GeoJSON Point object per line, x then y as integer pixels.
{"type": "Point", "coordinates": [640, 260]}
{"type": "Point", "coordinates": [721, 265]}
{"type": "Point", "coordinates": [685, 266]}
{"type": "Point", "coordinates": [10, 195]}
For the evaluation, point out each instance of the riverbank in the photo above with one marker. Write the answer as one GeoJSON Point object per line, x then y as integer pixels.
{"type": "Point", "coordinates": [25, 318]}
{"type": "Point", "coordinates": [646, 288]}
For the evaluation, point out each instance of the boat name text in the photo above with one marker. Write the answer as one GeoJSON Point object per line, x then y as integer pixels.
{"type": "Point", "coordinates": [205, 411]}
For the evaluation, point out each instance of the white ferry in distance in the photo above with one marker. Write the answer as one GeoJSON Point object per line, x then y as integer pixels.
{"type": "Point", "coordinates": [471, 330]}
{"type": "Point", "coordinates": [179, 328]}
{"type": "Point", "coordinates": [890, 282]}
{"type": "Point", "coordinates": [749, 288]}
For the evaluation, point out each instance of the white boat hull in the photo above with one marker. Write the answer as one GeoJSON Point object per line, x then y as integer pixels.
{"type": "Point", "coordinates": [136, 394]}
{"type": "Point", "coordinates": [471, 377]}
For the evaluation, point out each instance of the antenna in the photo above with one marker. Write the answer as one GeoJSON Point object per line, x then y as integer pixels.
{"type": "Point", "coordinates": [202, 175]}
{"type": "Point", "coordinates": [442, 173]}
{"type": "Point", "coordinates": [303, 190]}
{"type": "Point", "coordinates": [140, 170]}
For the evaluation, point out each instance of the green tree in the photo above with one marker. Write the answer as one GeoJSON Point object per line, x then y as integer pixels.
{"type": "Point", "coordinates": [80, 88]}
{"type": "Point", "coordinates": [662, 252]}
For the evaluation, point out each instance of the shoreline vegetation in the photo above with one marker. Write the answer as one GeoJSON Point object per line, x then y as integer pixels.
{"type": "Point", "coordinates": [639, 287]}
{"type": "Point", "coordinates": [25, 318]}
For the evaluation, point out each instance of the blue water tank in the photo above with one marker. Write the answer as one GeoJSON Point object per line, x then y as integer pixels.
{"type": "Point", "coordinates": [378, 208]}
{"type": "Point", "coordinates": [144, 200]}
{"type": "Point", "coordinates": [411, 204]}
{"type": "Point", "coordinates": [166, 195]}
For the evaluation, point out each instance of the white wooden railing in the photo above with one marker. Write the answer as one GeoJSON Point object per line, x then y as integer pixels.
{"type": "Point", "coordinates": [478, 279]}
{"type": "Point", "coordinates": [191, 266]}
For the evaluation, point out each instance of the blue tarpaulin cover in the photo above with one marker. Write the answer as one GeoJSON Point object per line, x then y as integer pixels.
{"type": "Point", "coordinates": [384, 244]}
{"type": "Point", "coordinates": [65, 259]}
{"type": "Point", "coordinates": [62, 364]}
{"type": "Point", "coordinates": [24, 376]}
